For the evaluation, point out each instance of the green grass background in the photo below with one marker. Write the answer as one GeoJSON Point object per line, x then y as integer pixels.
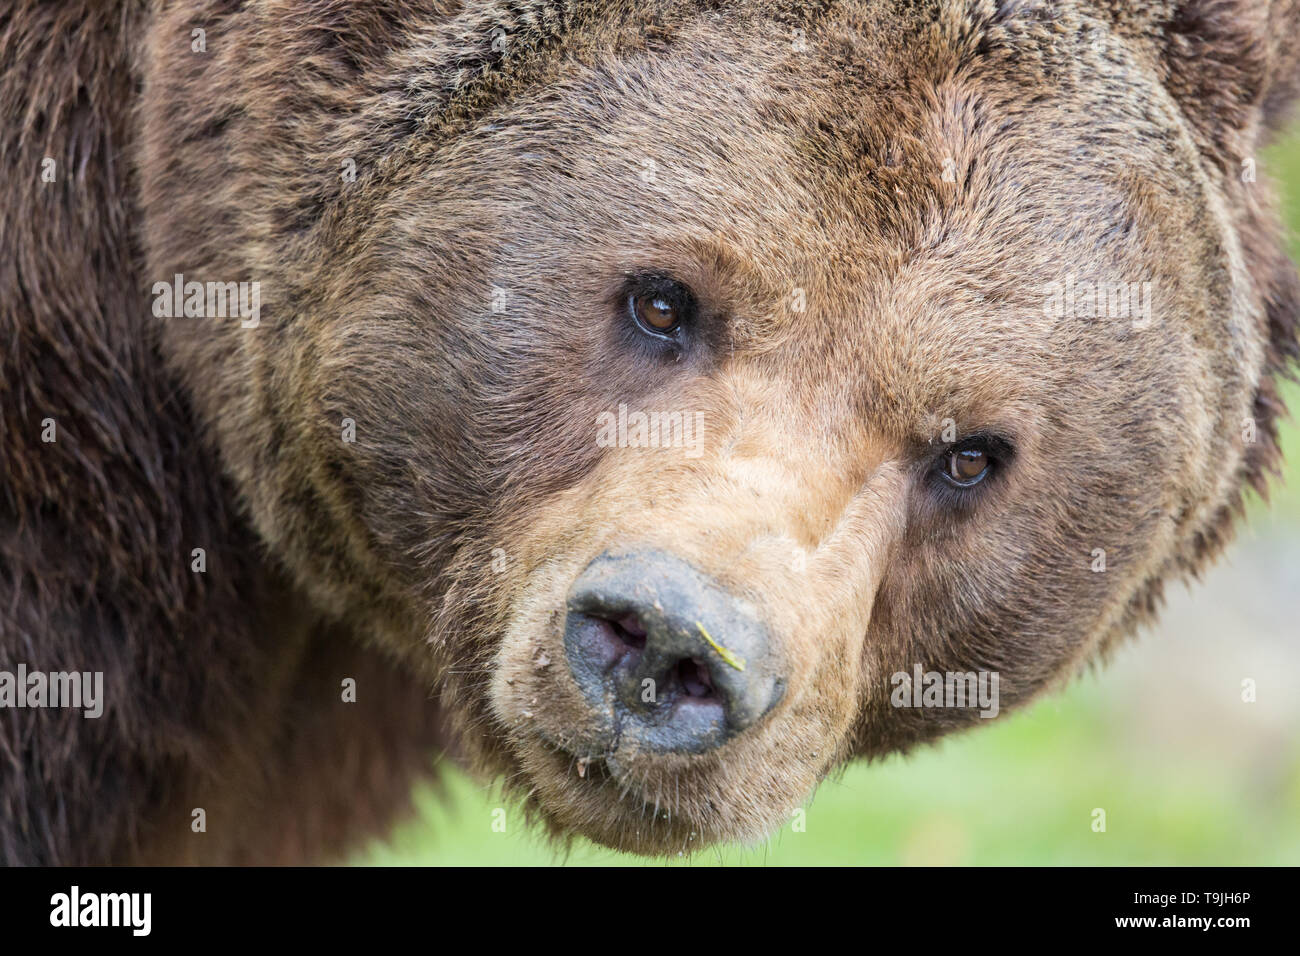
{"type": "Point", "coordinates": [1186, 773]}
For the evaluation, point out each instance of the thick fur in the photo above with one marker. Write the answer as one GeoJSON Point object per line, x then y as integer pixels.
{"type": "Point", "coordinates": [504, 147]}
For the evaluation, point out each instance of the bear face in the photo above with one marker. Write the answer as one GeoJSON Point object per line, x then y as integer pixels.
{"type": "Point", "coordinates": [699, 388]}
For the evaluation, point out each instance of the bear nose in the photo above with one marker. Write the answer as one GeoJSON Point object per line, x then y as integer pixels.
{"type": "Point", "coordinates": [675, 661]}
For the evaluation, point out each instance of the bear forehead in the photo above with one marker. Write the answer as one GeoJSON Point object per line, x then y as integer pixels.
{"type": "Point", "coordinates": [918, 185]}
{"type": "Point", "coordinates": [912, 207]}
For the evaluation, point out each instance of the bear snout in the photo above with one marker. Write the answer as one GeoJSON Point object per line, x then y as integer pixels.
{"type": "Point", "coordinates": [672, 660]}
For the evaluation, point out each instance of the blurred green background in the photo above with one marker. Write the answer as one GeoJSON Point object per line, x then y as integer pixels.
{"type": "Point", "coordinates": [1161, 740]}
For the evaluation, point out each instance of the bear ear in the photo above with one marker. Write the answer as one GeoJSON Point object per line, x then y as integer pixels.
{"type": "Point", "coordinates": [1234, 66]}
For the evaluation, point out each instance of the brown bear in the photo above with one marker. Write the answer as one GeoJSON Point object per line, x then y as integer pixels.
{"type": "Point", "coordinates": [635, 401]}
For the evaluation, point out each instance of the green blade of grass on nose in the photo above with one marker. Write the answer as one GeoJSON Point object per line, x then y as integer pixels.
{"type": "Point", "coordinates": [725, 654]}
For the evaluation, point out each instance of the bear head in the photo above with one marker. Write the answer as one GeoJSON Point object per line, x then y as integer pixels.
{"type": "Point", "coordinates": [675, 383]}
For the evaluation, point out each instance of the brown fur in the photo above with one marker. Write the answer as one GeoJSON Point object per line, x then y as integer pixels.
{"type": "Point", "coordinates": [1094, 137]}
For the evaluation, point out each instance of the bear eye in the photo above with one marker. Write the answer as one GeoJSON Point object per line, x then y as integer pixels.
{"type": "Point", "coordinates": [659, 305]}
{"type": "Point", "coordinates": [654, 312]}
{"type": "Point", "coordinates": [968, 463]}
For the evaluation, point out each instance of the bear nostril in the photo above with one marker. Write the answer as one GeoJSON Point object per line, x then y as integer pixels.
{"type": "Point", "coordinates": [630, 631]}
{"type": "Point", "coordinates": [695, 678]}
{"type": "Point", "coordinates": [611, 640]}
